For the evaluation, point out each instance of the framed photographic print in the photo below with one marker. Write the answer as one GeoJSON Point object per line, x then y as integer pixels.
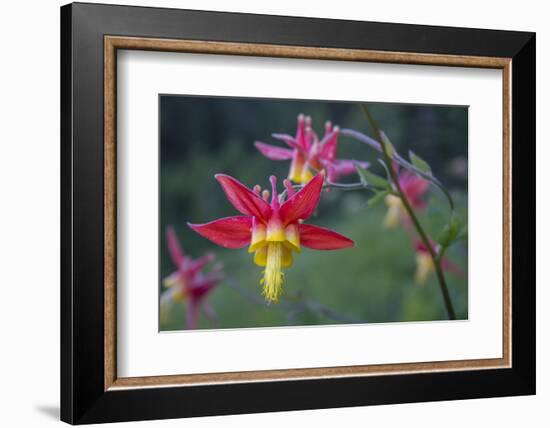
{"type": "Point", "coordinates": [265, 213]}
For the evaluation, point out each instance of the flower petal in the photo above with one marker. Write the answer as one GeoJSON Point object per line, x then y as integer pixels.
{"type": "Point", "coordinates": [260, 256]}
{"type": "Point", "coordinates": [229, 232]}
{"type": "Point", "coordinates": [306, 174]}
{"type": "Point", "coordinates": [288, 140]}
{"type": "Point", "coordinates": [275, 230]}
{"type": "Point", "coordinates": [292, 235]}
{"type": "Point", "coordinates": [172, 280]}
{"type": "Point", "coordinates": [198, 264]}
{"type": "Point", "coordinates": [205, 284]}
{"type": "Point", "coordinates": [424, 267]}
{"type": "Point", "coordinates": [287, 257]}
{"type": "Point", "coordinates": [395, 210]}
{"type": "Point", "coordinates": [273, 152]}
{"type": "Point", "coordinates": [320, 238]}
{"type": "Point", "coordinates": [174, 247]}
{"type": "Point", "coordinates": [169, 296]}
{"type": "Point", "coordinates": [347, 166]}
{"type": "Point", "coordinates": [303, 203]}
{"type": "Point", "coordinates": [414, 188]}
{"type": "Point", "coordinates": [310, 139]}
{"type": "Point", "coordinates": [192, 314]}
{"type": "Point", "coordinates": [329, 144]}
{"type": "Point", "coordinates": [449, 266]}
{"type": "Point", "coordinates": [297, 167]}
{"type": "Point", "coordinates": [244, 199]}
{"type": "Point", "coordinates": [258, 235]}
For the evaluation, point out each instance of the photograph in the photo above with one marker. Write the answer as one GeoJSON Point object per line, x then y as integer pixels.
{"type": "Point", "coordinates": [282, 212]}
{"type": "Point", "coordinates": [268, 211]}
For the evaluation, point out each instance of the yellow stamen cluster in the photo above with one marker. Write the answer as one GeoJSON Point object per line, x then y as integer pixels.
{"type": "Point", "coordinates": [273, 274]}
{"type": "Point", "coordinates": [273, 247]}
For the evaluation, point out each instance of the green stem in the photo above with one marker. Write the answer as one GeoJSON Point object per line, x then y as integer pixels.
{"type": "Point", "coordinates": [420, 230]}
{"type": "Point", "coordinates": [347, 186]}
{"type": "Point", "coordinates": [436, 260]}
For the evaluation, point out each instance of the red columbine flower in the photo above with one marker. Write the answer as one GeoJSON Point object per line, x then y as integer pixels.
{"type": "Point", "coordinates": [424, 263]}
{"type": "Point", "coordinates": [188, 282]}
{"type": "Point", "coordinates": [308, 154]}
{"type": "Point", "coordinates": [272, 231]}
{"type": "Point", "coordinates": [414, 188]}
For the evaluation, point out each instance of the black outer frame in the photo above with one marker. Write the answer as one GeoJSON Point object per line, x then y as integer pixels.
{"type": "Point", "coordinates": [83, 399]}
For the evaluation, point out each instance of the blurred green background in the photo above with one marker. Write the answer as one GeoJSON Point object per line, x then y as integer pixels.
{"type": "Point", "coordinates": [373, 282]}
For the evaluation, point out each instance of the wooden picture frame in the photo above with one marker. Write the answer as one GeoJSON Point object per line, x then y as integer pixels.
{"type": "Point", "coordinates": [91, 390]}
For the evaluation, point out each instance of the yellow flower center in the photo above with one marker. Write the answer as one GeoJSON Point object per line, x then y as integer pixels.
{"type": "Point", "coordinates": [176, 282]}
{"type": "Point", "coordinates": [306, 175]}
{"type": "Point", "coordinates": [272, 246]}
{"type": "Point", "coordinates": [273, 274]}
{"type": "Point", "coordinates": [299, 171]}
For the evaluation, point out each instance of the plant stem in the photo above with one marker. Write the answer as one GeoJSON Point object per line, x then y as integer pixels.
{"type": "Point", "coordinates": [347, 186]}
{"type": "Point", "coordinates": [423, 235]}
{"type": "Point", "coordinates": [436, 260]}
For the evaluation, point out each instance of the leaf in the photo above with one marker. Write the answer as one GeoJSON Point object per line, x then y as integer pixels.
{"type": "Point", "coordinates": [377, 198]}
{"type": "Point", "coordinates": [450, 231]}
{"type": "Point", "coordinates": [463, 234]}
{"type": "Point", "coordinates": [371, 179]}
{"type": "Point", "coordinates": [420, 163]}
{"type": "Point", "coordinates": [387, 146]}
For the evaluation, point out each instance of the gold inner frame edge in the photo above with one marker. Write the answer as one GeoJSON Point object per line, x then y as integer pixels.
{"type": "Point", "coordinates": [113, 43]}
